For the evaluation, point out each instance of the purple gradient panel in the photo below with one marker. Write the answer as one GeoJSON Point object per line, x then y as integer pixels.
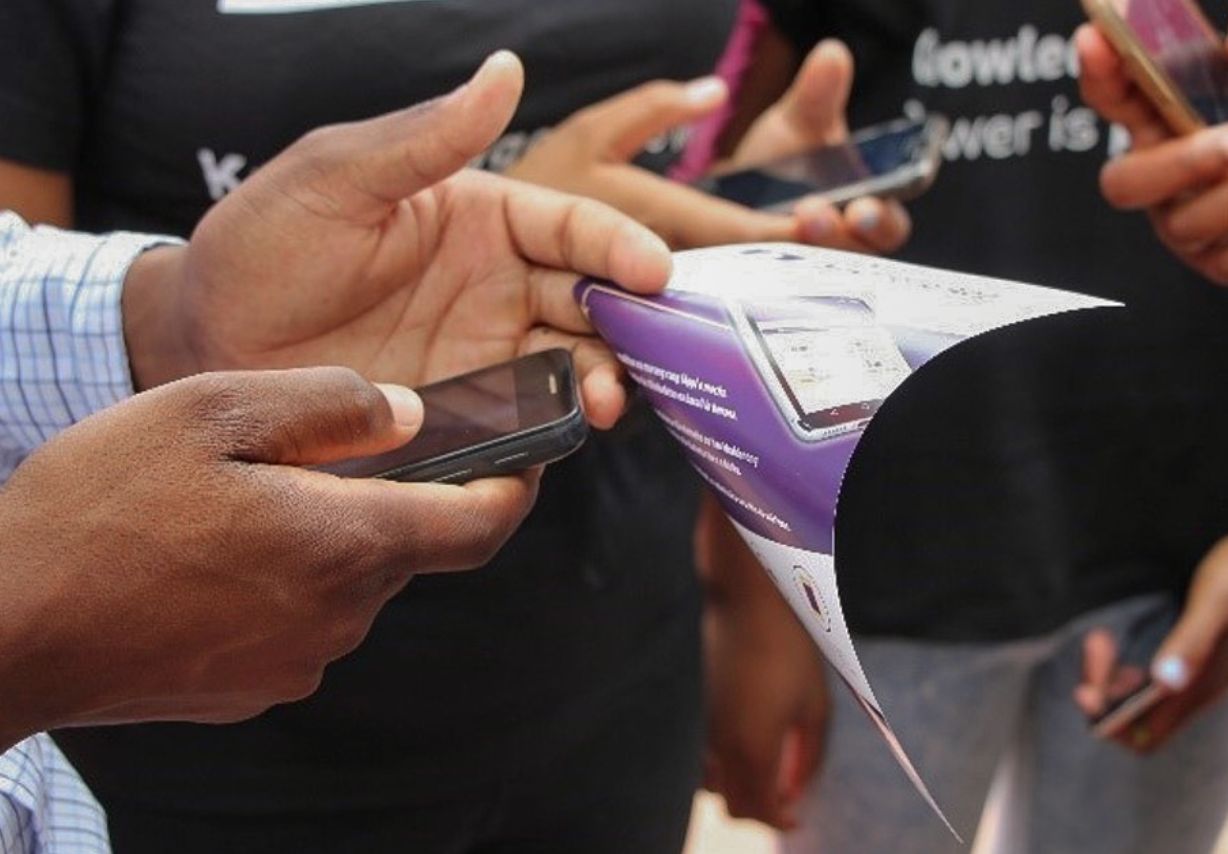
{"type": "Point", "coordinates": [689, 333]}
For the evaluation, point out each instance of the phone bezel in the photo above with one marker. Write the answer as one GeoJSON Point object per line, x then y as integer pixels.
{"type": "Point", "coordinates": [549, 428]}
{"type": "Point", "coordinates": [544, 416]}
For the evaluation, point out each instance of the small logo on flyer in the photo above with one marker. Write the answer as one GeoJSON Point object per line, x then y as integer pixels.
{"type": "Point", "coordinates": [813, 596]}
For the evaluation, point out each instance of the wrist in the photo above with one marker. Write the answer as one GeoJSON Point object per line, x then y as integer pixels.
{"type": "Point", "coordinates": [155, 331]}
{"type": "Point", "coordinates": [26, 705]}
{"type": "Point", "coordinates": [52, 652]}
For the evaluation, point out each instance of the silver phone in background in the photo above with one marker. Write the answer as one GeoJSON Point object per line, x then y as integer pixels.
{"type": "Point", "coordinates": [899, 159]}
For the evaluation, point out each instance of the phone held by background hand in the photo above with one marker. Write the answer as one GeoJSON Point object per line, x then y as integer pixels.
{"type": "Point", "coordinates": [899, 160]}
{"type": "Point", "coordinates": [1137, 693]}
{"type": "Point", "coordinates": [488, 423]}
{"type": "Point", "coordinates": [1174, 55]}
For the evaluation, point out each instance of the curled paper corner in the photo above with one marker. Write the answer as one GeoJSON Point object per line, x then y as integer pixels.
{"type": "Point", "coordinates": [766, 362]}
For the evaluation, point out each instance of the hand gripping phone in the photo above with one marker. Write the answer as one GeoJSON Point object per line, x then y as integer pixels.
{"type": "Point", "coordinates": [1174, 55]}
{"type": "Point", "coordinates": [488, 423]}
{"type": "Point", "coordinates": [1141, 640]}
{"type": "Point", "coordinates": [899, 160]}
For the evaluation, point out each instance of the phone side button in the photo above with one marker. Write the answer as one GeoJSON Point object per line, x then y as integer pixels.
{"type": "Point", "coordinates": [507, 462]}
{"type": "Point", "coordinates": [454, 476]}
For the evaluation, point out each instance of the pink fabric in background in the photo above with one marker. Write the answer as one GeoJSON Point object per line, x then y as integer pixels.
{"type": "Point", "coordinates": [700, 152]}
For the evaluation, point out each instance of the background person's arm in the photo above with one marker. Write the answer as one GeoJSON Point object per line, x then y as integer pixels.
{"type": "Point", "coordinates": [37, 195]}
{"type": "Point", "coordinates": [1180, 182]}
{"type": "Point", "coordinates": [767, 692]}
{"type": "Point", "coordinates": [53, 59]}
{"type": "Point", "coordinates": [591, 152]}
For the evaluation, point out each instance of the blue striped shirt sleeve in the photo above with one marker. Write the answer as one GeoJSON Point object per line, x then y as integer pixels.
{"type": "Point", "coordinates": [62, 354]}
{"type": "Point", "coordinates": [45, 807]}
{"type": "Point", "coordinates": [62, 358]}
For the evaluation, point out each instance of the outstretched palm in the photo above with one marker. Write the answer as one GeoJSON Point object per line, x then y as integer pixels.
{"type": "Point", "coordinates": [404, 268]}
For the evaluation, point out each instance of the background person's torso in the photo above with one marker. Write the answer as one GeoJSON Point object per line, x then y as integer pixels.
{"type": "Point", "coordinates": [1051, 468]}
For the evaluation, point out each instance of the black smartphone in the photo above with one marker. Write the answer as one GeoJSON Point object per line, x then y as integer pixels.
{"type": "Point", "coordinates": [491, 422]}
{"type": "Point", "coordinates": [899, 159]}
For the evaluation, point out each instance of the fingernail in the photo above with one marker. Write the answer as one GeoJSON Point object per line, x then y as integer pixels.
{"type": "Point", "coordinates": [706, 90]}
{"type": "Point", "coordinates": [406, 405]}
{"type": "Point", "coordinates": [496, 59]}
{"type": "Point", "coordinates": [869, 221]}
{"type": "Point", "coordinates": [500, 57]}
{"type": "Point", "coordinates": [1171, 672]}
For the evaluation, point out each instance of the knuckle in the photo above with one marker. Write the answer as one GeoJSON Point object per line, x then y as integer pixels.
{"type": "Point", "coordinates": [220, 403]}
{"type": "Point", "coordinates": [364, 408]}
{"type": "Point", "coordinates": [317, 146]}
{"type": "Point", "coordinates": [302, 684]}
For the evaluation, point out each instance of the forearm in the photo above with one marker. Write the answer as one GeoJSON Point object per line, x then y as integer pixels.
{"type": "Point", "coordinates": [774, 63]}
{"type": "Point", "coordinates": [729, 571]}
{"type": "Point", "coordinates": [62, 343]}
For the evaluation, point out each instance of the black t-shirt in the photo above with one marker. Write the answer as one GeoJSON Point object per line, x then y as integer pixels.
{"type": "Point", "coordinates": [158, 107]}
{"type": "Point", "coordinates": [1049, 468]}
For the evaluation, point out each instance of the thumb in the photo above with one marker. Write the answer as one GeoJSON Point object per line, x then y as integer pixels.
{"type": "Point", "coordinates": [817, 100]}
{"type": "Point", "coordinates": [373, 164]}
{"type": "Point", "coordinates": [303, 417]}
{"type": "Point", "coordinates": [622, 125]}
{"type": "Point", "coordinates": [1186, 651]}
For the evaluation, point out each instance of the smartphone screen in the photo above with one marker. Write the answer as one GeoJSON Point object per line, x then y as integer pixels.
{"type": "Point", "coordinates": [830, 359]}
{"type": "Point", "coordinates": [869, 154]}
{"type": "Point", "coordinates": [1182, 42]}
{"type": "Point", "coordinates": [479, 408]}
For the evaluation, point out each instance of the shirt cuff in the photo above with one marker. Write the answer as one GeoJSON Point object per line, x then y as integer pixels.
{"type": "Point", "coordinates": [96, 323]}
{"type": "Point", "coordinates": [62, 351]}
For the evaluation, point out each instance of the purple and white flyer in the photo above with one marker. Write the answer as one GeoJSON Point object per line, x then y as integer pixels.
{"type": "Point", "coordinates": [767, 361]}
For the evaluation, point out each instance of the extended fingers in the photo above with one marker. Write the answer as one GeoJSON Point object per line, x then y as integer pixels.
{"type": "Point", "coordinates": [1163, 172]}
{"type": "Point", "coordinates": [586, 237]}
{"type": "Point", "coordinates": [866, 225]}
{"type": "Point", "coordinates": [816, 102]}
{"type": "Point", "coordinates": [1099, 662]}
{"type": "Point", "coordinates": [1199, 220]}
{"type": "Point", "coordinates": [621, 126]}
{"type": "Point", "coordinates": [1108, 90]}
{"type": "Point", "coordinates": [362, 168]}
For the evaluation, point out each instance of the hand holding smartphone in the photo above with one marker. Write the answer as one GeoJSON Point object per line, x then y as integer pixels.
{"type": "Point", "coordinates": [1174, 55]}
{"type": "Point", "coordinates": [488, 423]}
{"type": "Point", "coordinates": [1129, 690]}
